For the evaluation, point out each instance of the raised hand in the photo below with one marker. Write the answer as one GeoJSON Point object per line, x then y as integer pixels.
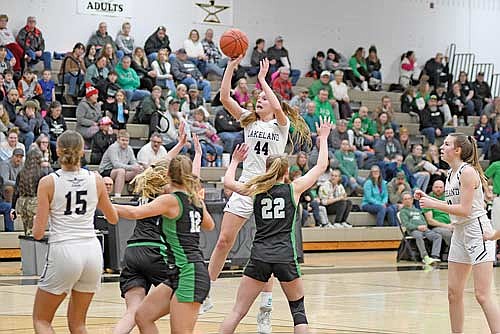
{"type": "Point", "coordinates": [419, 194]}
{"type": "Point", "coordinates": [324, 127]}
{"type": "Point", "coordinates": [233, 63]}
{"type": "Point", "coordinates": [240, 153]}
{"type": "Point", "coordinates": [264, 68]}
{"type": "Point", "coordinates": [197, 146]}
{"type": "Point", "coordinates": [182, 134]}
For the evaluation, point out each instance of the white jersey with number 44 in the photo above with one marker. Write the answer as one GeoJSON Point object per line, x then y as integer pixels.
{"type": "Point", "coordinates": [263, 139]}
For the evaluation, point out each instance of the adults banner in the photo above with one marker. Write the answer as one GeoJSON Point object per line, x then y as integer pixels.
{"type": "Point", "coordinates": [118, 8]}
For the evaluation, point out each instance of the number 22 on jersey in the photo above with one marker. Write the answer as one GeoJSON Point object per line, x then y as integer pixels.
{"type": "Point", "coordinates": [273, 208]}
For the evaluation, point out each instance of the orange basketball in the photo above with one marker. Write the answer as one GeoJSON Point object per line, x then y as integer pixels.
{"type": "Point", "coordinates": [233, 43]}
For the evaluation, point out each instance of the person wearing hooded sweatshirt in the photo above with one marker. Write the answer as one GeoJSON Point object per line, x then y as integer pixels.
{"type": "Point", "coordinates": [101, 37]}
{"type": "Point", "coordinates": [157, 41]}
{"type": "Point", "coordinates": [129, 81]}
{"type": "Point", "coordinates": [30, 123]}
{"type": "Point", "coordinates": [88, 113]}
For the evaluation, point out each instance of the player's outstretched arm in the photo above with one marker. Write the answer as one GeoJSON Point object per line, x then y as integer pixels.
{"type": "Point", "coordinates": [44, 196]}
{"type": "Point", "coordinates": [163, 205]}
{"type": "Point", "coordinates": [225, 89]}
{"type": "Point", "coordinates": [240, 153]}
{"type": "Point", "coordinates": [279, 114]}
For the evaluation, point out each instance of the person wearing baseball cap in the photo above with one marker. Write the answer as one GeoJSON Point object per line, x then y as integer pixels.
{"type": "Point", "coordinates": [102, 140]}
{"type": "Point", "coordinates": [278, 57]}
{"type": "Point", "coordinates": [88, 113]}
{"type": "Point", "coordinates": [9, 169]}
{"type": "Point", "coordinates": [322, 83]}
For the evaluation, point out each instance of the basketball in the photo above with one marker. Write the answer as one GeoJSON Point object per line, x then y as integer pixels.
{"type": "Point", "coordinates": [233, 43]}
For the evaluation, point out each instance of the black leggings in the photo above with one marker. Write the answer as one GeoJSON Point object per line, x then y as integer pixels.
{"type": "Point", "coordinates": [340, 209]}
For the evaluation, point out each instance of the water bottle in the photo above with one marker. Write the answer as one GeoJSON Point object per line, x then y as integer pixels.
{"type": "Point", "coordinates": [218, 161]}
{"type": "Point", "coordinates": [455, 120]}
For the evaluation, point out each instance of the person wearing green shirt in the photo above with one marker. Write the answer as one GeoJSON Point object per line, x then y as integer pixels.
{"type": "Point", "coordinates": [129, 81]}
{"type": "Point", "coordinates": [322, 83]}
{"type": "Point", "coordinates": [324, 108]}
{"type": "Point", "coordinates": [493, 173]}
{"type": "Point", "coordinates": [368, 125]}
{"type": "Point", "coordinates": [439, 220]}
{"type": "Point", "coordinates": [357, 63]}
{"type": "Point", "coordinates": [416, 226]}
{"type": "Point", "coordinates": [348, 165]}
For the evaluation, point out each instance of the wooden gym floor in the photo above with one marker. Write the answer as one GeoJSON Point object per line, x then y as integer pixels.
{"type": "Point", "coordinates": [350, 292]}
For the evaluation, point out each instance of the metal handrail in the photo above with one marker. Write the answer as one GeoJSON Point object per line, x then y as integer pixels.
{"type": "Point", "coordinates": [495, 85]}
{"type": "Point", "coordinates": [488, 70]}
{"type": "Point", "coordinates": [462, 62]}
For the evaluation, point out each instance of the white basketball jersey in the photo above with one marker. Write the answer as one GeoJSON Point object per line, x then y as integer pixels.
{"type": "Point", "coordinates": [263, 139]}
{"type": "Point", "coordinates": [452, 193]}
{"type": "Point", "coordinates": [73, 206]}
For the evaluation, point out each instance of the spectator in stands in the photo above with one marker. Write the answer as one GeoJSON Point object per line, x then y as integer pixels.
{"type": "Point", "coordinates": [5, 64]}
{"type": "Point", "coordinates": [337, 61]}
{"type": "Point", "coordinates": [437, 70]}
{"type": "Point", "coordinates": [339, 89]}
{"type": "Point", "coordinates": [100, 38]}
{"type": "Point", "coordinates": [30, 38]}
{"type": "Point", "coordinates": [258, 54]}
{"type": "Point", "coordinates": [209, 140]}
{"type": "Point", "coordinates": [324, 107]}
{"type": "Point", "coordinates": [458, 104]}
{"type": "Point", "coordinates": [278, 57]}
{"type": "Point", "coordinates": [337, 135]}
{"type": "Point", "coordinates": [417, 166]}
{"type": "Point", "coordinates": [397, 187]}
{"type": "Point", "coordinates": [9, 169]}
{"type": "Point", "coordinates": [422, 96]}
{"type": "Point", "coordinates": [88, 113]}
{"type": "Point", "coordinates": [434, 158]}
{"type": "Point", "coordinates": [317, 64]}
{"type": "Point", "coordinates": [376, 198]}
{"type": "Point", "coordinates": [119, 163]}
{"type": "Point", "coordinates": [30, 89]}
{"type": "Point", "coordinates": [97, 71]}
{"type": "Point", "coordinates": [333, 196]}
{"type": "Point", "coordinates": [140, 64]}
{"type": "Point", "coordinates": [282, 84]}
{"type": "Point", "coordinates": [416, 226]}
{"type": "Point", "coordinates": [195, 101]}
{"type": "Point", "coordinates": [48, 87]}
{"type": "Point", "coordinates": [42, 143]}
{"type": "Point", "coordinates": [300, 101]}
{"type": "Point", "coordinates": [108, 183]}
{"type": "Point", "coordinates": [300, 165]}
{"type": "Point", "coordinates": [482, 134]}
{"type": "Point", "coordinates": [383, 122]}
{"type": "Point", "coordinates": [129, 81]}
{"type": "Point", "coordinates": [241, 94]}
{"type": "Point", "coordinates": [181, 93]}
{"type": "Point", "coordinates": [349, 167]}
{"type": "Point", "coordinates": [216, 63]}
{"type": "Point", "coordinates": [9, 82]}
{"type": "Point", "coordinates": [368, 126]}
{"type": "Point", "coordinates": [11, 104]}
{"type": "Point", "coordinates": [5, 210]}
{"type": "Point", "coordinates": [102, 140]}
{"type": "Point", "coordinates": [124, 41]}
{"type": "Point", "coordinates": [72, 72]}
{"type": "Point", "coordinates": [312, 120]}
{"type": "Point", "coordinates": [152, 151]}
{"type": "Point", "coordinates": [30, 123]}
{"type": "Point", "coordinates": [187, 73]}
{"type": "Point", "coordinates": [467, 90]}
{"type": "Point", "coordinates": [408, 70]}
{"type": "Point", "coordinates": [322, 83]}
{"type": "Point", "coordinates": [359, 68]}
{"type": "Point", "coordinates": [56, 123]}
{"type": "Point", "coordinates": [386, 106]}
{"type": "Point", "coordinates": [361, 142]}
{"type": "Point", "coordinates": [90, 55]}
{"type": "Point", "coordinates": [167, 124]}
{"type": "Point", "coordinates": [482, 93]}
{"type": "Point", "coordinates": [404, 140]}
{"type": "Point", "coordinates": [442, 103]}
{"type": "Point", "coordinates": [439, 220]}
{"type": "Point", "coordinates": [194, 50]}
{"type": "Point", "coordinates": [162, 70]}
{"type": "Point", "coordinates": [110, 54]}
{"type": "Point", "coordinates": [8, 40]}
{"type": "Point", "coordinates": [228, 129]}
{"type": "Point", "coordinates": [157, 41]}
{"type": "Point", "coordinates": [373, 66]}
{"type": "Point", "coordinates": [388, 147]}
{"type": "Point", "coordinates": [108, 88]}
{"type": "Point", "coordinates": [118, 110]}
{"type": "Point", "coordinates": [151, 104]}
{"type": "Point", "coordinates": [5, 123]}
{"type": "Point", "coordinates": [12, 142]}
{"type": "Point", "coordinates": [432, 121]}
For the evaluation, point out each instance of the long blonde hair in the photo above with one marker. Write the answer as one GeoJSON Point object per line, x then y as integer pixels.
{"type": "Point", "coordinates": [469, 154]}
{"type": "Point", "coordinates": [180, 173]}
{"type": "Point", "coordinates": [152, 181]}
{"type": "Point", "coordinates": [276, 168]}
{"type": "Point", "coordinates": [70, 148]}
{"type": "Point", "coordinates": [301, 134]}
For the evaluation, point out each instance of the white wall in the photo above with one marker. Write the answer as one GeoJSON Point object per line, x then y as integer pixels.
{"type": "Point", "coordinates": [394, 26]}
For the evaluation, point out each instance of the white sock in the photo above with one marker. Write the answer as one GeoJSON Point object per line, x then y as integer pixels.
{"type": "Point", "coordinates": [266, 299]}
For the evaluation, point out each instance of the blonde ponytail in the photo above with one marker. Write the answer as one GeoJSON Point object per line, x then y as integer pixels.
{"type": "Point", "coordinates": [277, 166]}
{"type": "Point", "coordinates": [151, 182]}
{"type": "Point", "coordinates": [301, 134]}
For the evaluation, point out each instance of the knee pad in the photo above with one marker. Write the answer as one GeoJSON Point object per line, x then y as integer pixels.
{"type": "Point", "coordinates": [298, 312]}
